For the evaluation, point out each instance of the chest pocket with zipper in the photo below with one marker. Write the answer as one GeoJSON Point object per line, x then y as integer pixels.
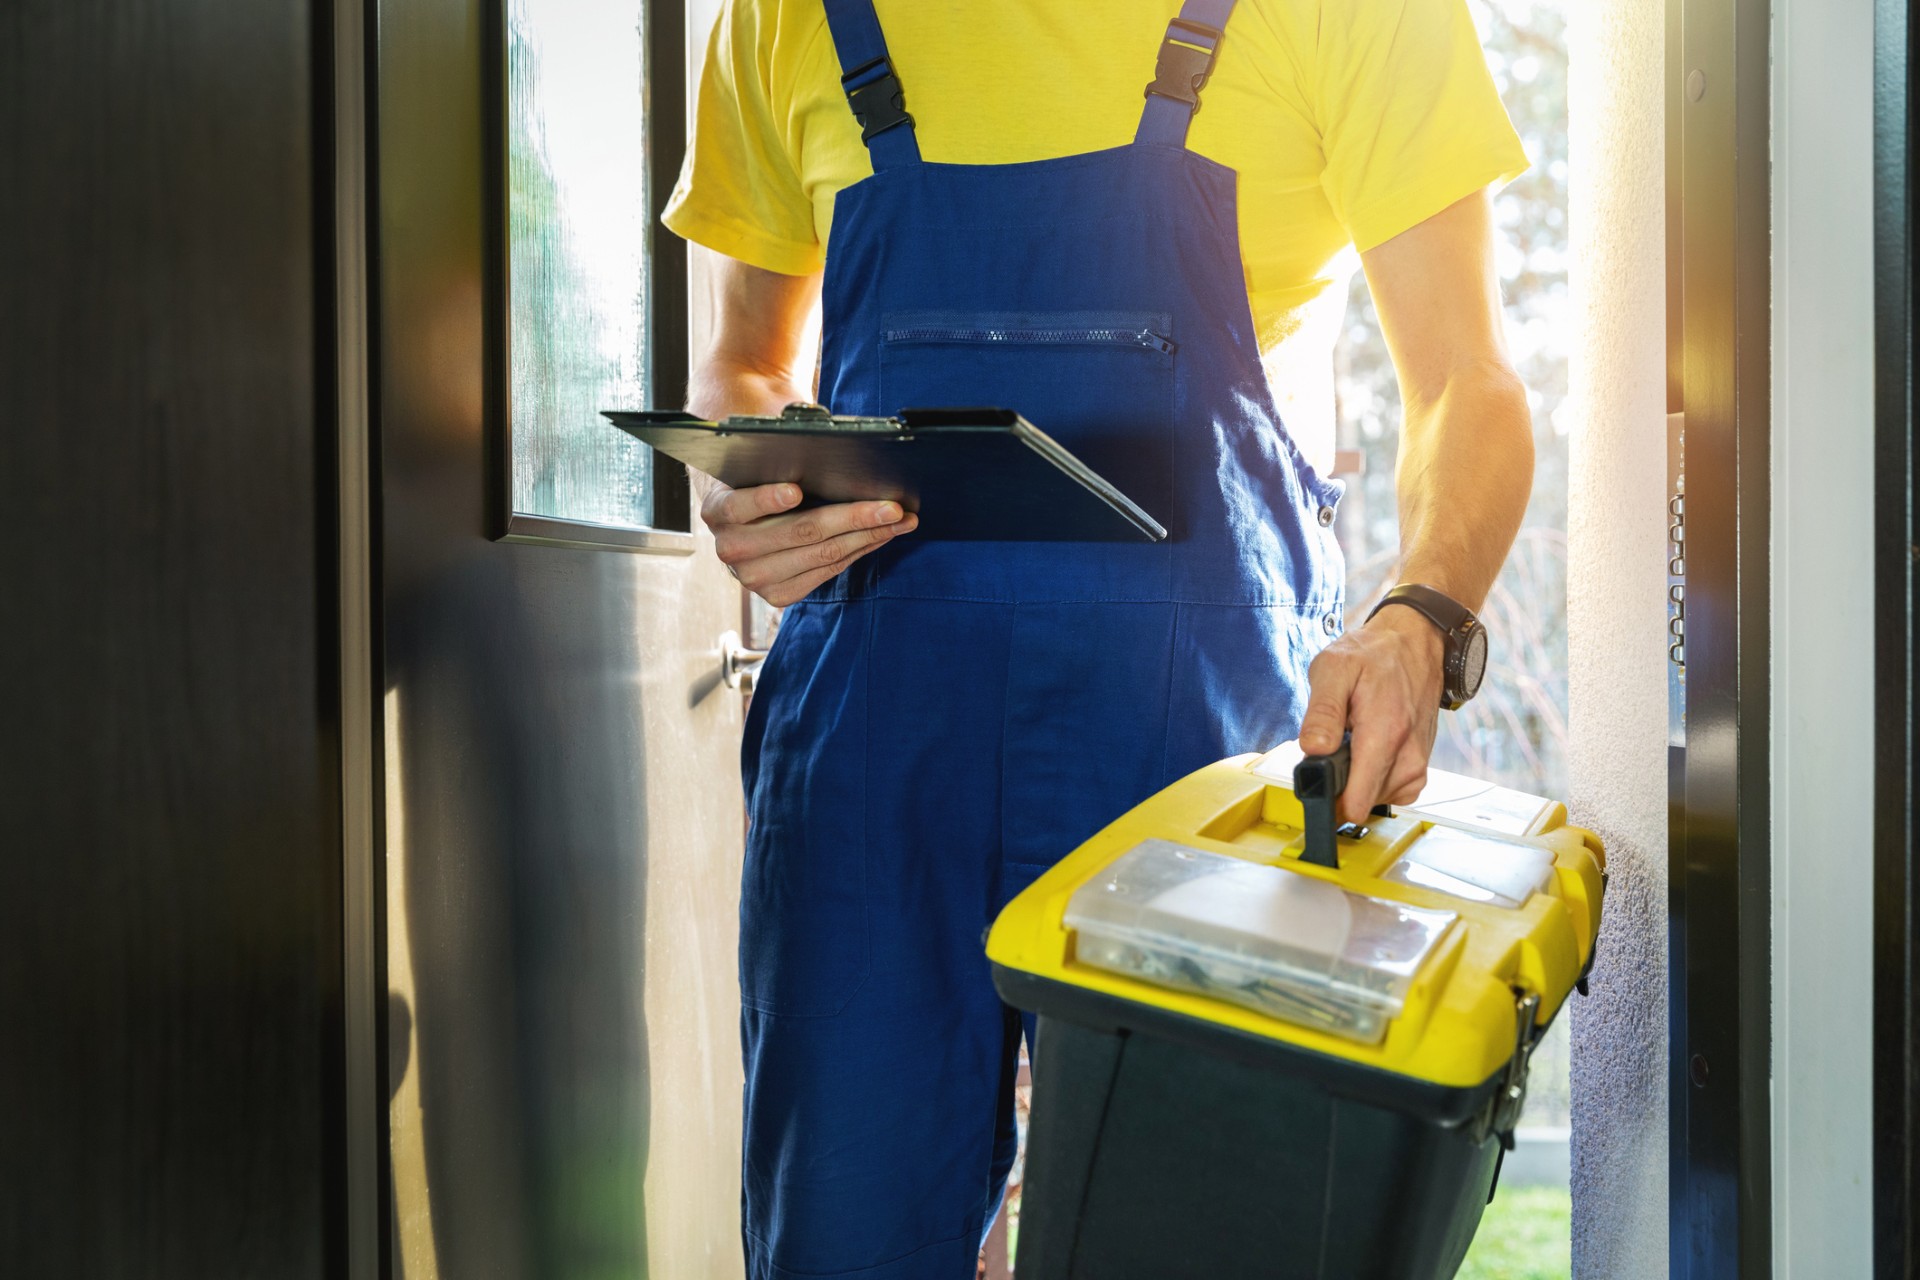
{"type": "Point", "coordinates": [1099, 382]}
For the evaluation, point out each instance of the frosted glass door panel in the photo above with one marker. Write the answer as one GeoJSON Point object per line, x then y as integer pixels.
{"type": "Point", "coordinates": [577, 236]}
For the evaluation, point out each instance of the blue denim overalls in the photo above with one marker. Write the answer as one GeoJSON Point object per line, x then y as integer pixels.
{"type": "Point", "coordinates": [945, 720]}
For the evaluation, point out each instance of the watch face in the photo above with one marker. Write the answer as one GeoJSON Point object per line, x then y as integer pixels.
{"type": "Point", "coordinates": [1474, 662]}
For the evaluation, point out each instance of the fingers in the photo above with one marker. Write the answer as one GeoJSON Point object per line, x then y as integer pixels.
{"type": "Point", "coordinates": [791, 530]}
{"type": "Point", "coordinates": [1369, 684]}
{"type": "Point", "coordinates": [1408, 777]}
{"type": "Point", "coordinates": [793, 589]}
{"type": "Point", "coordinates": [784, 576]}
{"type": "Point", "coordinates": [1330, 681]}
{"type": "Point", "coordinates": [780, 553]}
{"type": "Point", "coordinates": [723, 506]}
{"type": "Point", "coordinates": [1376, 746]}
{"type": "Point", "coordinates": [1391, 747]}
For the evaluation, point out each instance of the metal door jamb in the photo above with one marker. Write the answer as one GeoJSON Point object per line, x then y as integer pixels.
{"type": "Point", "coordinates": [1719, 865]}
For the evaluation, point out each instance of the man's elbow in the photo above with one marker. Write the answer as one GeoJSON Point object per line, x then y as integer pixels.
{"type": "Point", "coordinates": [1490, 380]}
{"type": "Point", "coordinates": [721, 383]}
{"type": "Point", "coordinates": [1487, 396]}
{"type": "Point", "coordinates": [1508, 409]}
{"type": "Point", "coordinates": [1512, 421]}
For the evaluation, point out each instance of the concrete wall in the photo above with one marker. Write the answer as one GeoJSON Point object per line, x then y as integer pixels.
{"type": "Point", "coordinates": [1616, 623]}
{"type": "Point", "coordinates": [1822, 635]}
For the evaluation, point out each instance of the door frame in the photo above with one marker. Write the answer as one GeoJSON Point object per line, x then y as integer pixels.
{"type": "Point", "coordinates": [1896, 958]}
{"type": "Point", "coordinates": [344, 176]}
{"type": "Point", "coordinates": [1719, 869]}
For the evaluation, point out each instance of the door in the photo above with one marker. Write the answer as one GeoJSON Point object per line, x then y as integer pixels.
{"type": "Point", "coordinates": [169, 864]}
{"type": "Point", "coordinates": [562, 810]}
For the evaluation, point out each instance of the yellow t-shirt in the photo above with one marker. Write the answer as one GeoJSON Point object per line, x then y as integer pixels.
{"type": "Point", "coordinates": [1348, 121]}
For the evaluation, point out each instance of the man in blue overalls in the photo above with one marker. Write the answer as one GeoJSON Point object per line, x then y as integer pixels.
{"type": "Point", "coordinates": [938, 722]}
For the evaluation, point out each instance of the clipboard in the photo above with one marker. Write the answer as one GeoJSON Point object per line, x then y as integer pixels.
{"type": "Point", "coordinates": [970, 474]}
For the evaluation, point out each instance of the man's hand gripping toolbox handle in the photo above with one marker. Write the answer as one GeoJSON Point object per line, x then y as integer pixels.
{"type": "Point", "coordinates": [1317, 783]}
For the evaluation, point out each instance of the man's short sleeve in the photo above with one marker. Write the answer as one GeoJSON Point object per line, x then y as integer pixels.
{"type": "Point", "coordinates": [1409, 116]}
{"type": "Point", "coordinates": [739, 192]}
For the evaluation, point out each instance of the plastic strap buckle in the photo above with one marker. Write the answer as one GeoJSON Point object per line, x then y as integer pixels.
{"type": "Point", "coordinates": [878, 101]}
{"type": "Point", "coordinates": [1185, 62]}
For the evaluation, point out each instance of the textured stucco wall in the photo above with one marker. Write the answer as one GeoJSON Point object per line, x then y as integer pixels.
{"type": "Point", "coordinates": [1616, 623]}
{"type": "Point", "coordinates": [1822, 605]}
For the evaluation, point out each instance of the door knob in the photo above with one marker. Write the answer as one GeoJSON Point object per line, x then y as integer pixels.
{"type": "Point", "coordinates": [739, 664]}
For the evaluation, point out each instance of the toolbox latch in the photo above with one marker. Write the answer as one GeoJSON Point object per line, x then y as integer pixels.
{"type": "Point", "coordinates": [1503, 1112]}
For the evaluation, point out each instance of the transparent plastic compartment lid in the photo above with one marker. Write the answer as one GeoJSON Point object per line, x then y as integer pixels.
{"type": "Point", "coordinates": [1477, 868]}
{"type": "Point", "coordinates": [1285, 944]}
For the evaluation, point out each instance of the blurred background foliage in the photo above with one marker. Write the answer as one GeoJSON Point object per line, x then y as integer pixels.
{"type": "Point", "coordinates": [1515, 731]}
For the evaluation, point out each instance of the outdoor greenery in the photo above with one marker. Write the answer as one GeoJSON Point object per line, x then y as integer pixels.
{"type": "Point", "coordinates": [1526, 1235]}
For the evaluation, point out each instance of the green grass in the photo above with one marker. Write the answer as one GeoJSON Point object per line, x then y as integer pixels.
{"type": "Point", "coordinates": [1525, 1235]}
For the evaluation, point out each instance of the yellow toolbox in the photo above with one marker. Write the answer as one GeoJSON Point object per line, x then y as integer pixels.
{"type": "Point", "coordinates": [1272, 1048]}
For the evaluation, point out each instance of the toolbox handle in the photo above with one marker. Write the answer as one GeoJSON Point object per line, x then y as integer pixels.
{"type": "Point", "coordinates": [1317, 783]}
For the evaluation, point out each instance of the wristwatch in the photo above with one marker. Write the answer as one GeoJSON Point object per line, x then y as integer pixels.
{"type": "Point", "coordinates": [1466, 660]}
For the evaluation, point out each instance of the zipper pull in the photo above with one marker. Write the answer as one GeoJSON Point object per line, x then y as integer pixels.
{"type": "Point", "coordinates": [1154, 342]}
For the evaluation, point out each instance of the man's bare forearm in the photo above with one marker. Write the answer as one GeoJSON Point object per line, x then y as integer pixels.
{"type": "Point", "coordinates": [760, 357]}
{"type": "Point", "coordinates": [720, 388]}
{"type": "Point", "coordinates": [1464, 473]}
{"type": "Point", "coordinates": [1466, 449]}
{"type": "Point", "coordinates": [1464, 476]}
{"type": "Point", "coordinates": [759, 361]}
{"type": "Point", "coordinates": [1465, 470]}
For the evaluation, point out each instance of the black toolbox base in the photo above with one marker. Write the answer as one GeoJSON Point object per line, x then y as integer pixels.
{"type": "Point", "coordinates": [1147, 1159]}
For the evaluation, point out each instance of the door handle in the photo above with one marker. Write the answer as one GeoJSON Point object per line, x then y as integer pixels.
{"type": "Point", "coordinates": [739, 664]}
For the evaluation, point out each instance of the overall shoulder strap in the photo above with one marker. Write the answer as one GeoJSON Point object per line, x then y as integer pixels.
{"type": "Point", "coordinates": [1185, 62]}
{"type": "Point", "coordinates": [873, 90]}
